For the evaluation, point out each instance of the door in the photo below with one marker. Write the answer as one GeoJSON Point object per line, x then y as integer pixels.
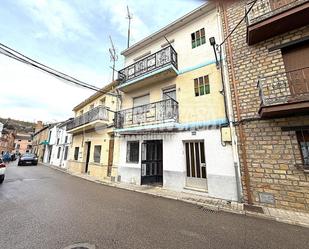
{"type": "Point", "coordinates": [296, 62]}
{"type": "Point", "coordinates": [140, 107]}
{"type": "Point", "coordinates": [152, 162]}
{"type": "Point", "coordinates": [88, 147]}
{"type": "Point", "coordinates": [169, 93]}
{"type": "Point", "coordinates": [196, 165]}
{"type": "Point", "coordinates": [110, 156]}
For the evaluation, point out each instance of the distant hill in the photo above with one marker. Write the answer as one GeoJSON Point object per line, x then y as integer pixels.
{"type": "Point", "coordinates": [20, 126]}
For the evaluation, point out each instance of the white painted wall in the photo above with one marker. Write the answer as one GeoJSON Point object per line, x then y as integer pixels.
{"type": "Point", "coordinates": [219, 162]}
{"type": "Point", "coordinates": [187, 57]}
{"type": "Point", "coordinates": [58, 132]}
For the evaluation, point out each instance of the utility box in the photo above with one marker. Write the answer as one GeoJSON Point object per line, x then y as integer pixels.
{"type": "Point", "coordinates": [226, 134]}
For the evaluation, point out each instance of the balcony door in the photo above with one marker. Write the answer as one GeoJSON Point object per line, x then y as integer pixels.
{"type": "Point", "coordinates": [140, 109]}
{"type": "Point", "coordinates": [296, 62]}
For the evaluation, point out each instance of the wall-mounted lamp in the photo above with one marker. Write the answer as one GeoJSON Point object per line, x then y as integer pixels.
{"type": "Point", "coordinates": [212, 41]}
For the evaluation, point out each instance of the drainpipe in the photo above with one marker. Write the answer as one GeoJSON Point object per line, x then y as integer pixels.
{"type": "Point", "coordinates": [242, 137]}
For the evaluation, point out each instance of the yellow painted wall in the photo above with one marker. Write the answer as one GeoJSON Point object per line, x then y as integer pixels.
{"type": "Point", "coordinates": [191, 108]}
{"type": "Point", "coordinates": [100, 137]}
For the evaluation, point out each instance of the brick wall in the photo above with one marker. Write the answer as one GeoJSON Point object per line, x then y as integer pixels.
{"type": "Point", "coordinates": [272, 155]}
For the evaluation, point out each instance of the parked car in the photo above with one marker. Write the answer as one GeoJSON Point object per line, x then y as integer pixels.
{"type": "Point", "coordinates": [2, 170]}
{"type": "Point", "coordinates": [28, 159]}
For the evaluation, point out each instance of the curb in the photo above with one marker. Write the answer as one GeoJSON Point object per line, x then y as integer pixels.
{"type": "Point", "coordinates": [216, 208]}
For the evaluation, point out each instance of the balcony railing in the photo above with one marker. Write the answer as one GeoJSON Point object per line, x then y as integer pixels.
{"type": "Point", "coordinates": [97, 113]}
{"type": "Point", "coordinates": [153, 113]}
{"type": "Point", "coordinates": [283, 88]}
{"type": "Point", "coordinates": [264, 9]}
{"type": "Point", "coordinates": [149, 64]}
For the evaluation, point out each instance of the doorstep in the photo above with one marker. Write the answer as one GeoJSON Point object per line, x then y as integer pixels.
{"type": "Point", "coordinates": [205, 202]}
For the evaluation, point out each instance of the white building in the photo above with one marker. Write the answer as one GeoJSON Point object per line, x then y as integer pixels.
{"type": "Point", "coordinates": [174, 126]}
{"type": "Point", "coordinates": [57, 151]}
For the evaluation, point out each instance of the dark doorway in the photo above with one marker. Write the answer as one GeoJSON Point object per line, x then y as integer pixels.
{"type": "Point", "coordinates": [152, 162]}
{"type": "Point", "coordinates": [88, 146]}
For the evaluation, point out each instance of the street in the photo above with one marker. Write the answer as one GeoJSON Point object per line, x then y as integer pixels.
{"type": "Point", "coordinates": [47, 209]}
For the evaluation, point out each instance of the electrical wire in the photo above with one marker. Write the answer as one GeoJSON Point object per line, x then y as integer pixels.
{"type": "Point", "coordinates": [5, 50]}
{"type": "Point", "coordinates": [245, 16]}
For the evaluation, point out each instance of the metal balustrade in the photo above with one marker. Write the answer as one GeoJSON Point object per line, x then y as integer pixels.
{"type": "Point", "coordinates": [153, 113]}
{"type": "Point", "coordinates": [263, 9]}
{"type": "Point", "coordinates": [97, 113]}
{"type": "Point", "coordinates": [149, 64]}
{"type": "Point", "coordinates": [285, 87]}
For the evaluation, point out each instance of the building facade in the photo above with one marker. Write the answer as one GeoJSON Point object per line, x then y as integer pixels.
{"type": "Point", "coordinates": [268, 61]}
{"type": "Point", "coordinates": [93, 149]}
{"type": "Point", "coordinates": [23, 143]}
{"type": "Point", "coordinates": [173, 126]}
{"type": "Point", "coordinates": [40, 140]}
{"type": "Point", "coordinates": [59, 144]}
{"type": "Point", "coordinates": [8, 134]}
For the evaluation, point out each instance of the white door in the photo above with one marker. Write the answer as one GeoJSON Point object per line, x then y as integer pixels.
{"type": "Point", "coordinates": [196, 165]}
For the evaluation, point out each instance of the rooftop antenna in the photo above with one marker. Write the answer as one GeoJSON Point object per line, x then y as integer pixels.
{"type": "Point", "coordinates": [129, 17]}
{"type": "Point", "coordinates": [113, 56]}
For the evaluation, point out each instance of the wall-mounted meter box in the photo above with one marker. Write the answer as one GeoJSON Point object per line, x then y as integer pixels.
{"type": "Point", "coordinates": [226, 134]}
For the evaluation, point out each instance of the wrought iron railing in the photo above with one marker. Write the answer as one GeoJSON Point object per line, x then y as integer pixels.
{"type": "Point", "coordinates": [149, 64]}
{"type": "Point", "coordinates": [153, 113]}
{"type": "Point", "coordinates": [264, 9]}
{"type": "Point", "coordinates": [286, 87]}
{"type": "Point", "coordinates": [97, 113]}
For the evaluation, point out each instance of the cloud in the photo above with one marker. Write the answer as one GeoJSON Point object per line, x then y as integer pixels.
{"type": "Point", "coordinates": [60, 19]}
{"type": "Point", "coordinates": [117, 10]}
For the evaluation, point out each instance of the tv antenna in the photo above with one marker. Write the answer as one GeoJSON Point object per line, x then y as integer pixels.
{"type": "Point", "coordinates": [129, 17]}
{"type": "Point", "coordinates": [113, 56]}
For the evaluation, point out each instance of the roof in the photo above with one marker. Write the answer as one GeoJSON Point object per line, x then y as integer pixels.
{"type": "Point", "coordinates": [106, 88]}
{"type": "Point", "coordinates": [170, 27]}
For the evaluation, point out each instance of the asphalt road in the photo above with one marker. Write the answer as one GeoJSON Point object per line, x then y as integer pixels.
{"type": "Point", "coordinates": [46, 209]}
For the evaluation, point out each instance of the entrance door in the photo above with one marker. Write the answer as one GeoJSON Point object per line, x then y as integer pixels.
{"type": "Point", "coordinates": [296, 62]}
{"type": "Point", "coordinates": [196, 165]}
{"type": "Point", "coordinates": [110, 156]}
{"type": "Point", "coordinates": [152, 162]}
{"type": "Point", "coordinates": [88, 146]}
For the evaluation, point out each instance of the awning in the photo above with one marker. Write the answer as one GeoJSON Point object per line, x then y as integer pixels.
{"type": "Point", "coordinates": [45, 142]}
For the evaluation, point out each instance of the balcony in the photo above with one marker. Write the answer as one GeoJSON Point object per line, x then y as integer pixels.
{"type": "Point", "coordinates": [164, 111]}
{"type": "Point", "coordinates": [269, 18]}
{"type": "Point", "coordinates": [155, 67]}
{"type": "Point", "coordinates": [284, 94]}
{"type": "Point", "coordinates": [92, 119]}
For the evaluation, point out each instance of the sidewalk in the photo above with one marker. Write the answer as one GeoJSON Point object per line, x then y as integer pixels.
{"type": "Point", "coordinates": [207, 203]}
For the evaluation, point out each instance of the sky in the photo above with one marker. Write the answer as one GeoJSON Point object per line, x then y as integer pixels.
{"type": "Point", "coordinates": [71, 36]}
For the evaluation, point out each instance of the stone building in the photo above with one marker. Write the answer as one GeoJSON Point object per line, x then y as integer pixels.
{"type": "Point", "coordinates": [268, 62]}
{"type": "Point", "coordinates": [23, 143]}
{"type": "Point", "coordinates": [40, 139]}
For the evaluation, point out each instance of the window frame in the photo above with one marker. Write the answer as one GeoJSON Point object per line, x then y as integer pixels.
{"type": "Point", "coordinates": [66, 151]}
{"type": "Point", "coordinates": [301, 135]}
{"type": "Point", "coordinates": [201, 85]}
{"type": "Point", "coordinates": [96, 155]}
{"type": "Point", "coordinates": [129, 156]}
{"type": "Point", "coordinates": [198, 38]}
{"type": "Point", "coordinates": [58, 152]}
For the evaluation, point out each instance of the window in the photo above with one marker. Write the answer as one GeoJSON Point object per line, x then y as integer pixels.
{"type": "Point", "coordinates": [59, 151]}
{"type": "Point", "coordinates": [66, 150]}
{"type": "Point", "coordinates": [66, 139]}
{"type": "Point", "coordinates": [76, 151]}
{"type": "Point", "coordinates": [201, 86]}
{"type": "Point", "coordinates": [303, 140]}
{"type": "Point", "coordinates": [29, 141]}
{"type": "Point", "coordinates": [97, 153]}
{"type": "Point", "coordinates": [102, 102]}
{"type": "Point", "coordinates": [17, 146]}
{"type": "Point", "coordinates": [198, 38]}
{"type": "Point", "coordinates": [58, 139]}
{"type": "Point", "coordinates": [133, 151]}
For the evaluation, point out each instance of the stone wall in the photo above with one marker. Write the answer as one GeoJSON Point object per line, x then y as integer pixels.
{"type": "Point", "coordinates": [272, 155]}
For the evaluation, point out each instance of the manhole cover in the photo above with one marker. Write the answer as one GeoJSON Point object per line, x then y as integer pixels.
{"type": "Point", "coordinates": [80, 246]}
